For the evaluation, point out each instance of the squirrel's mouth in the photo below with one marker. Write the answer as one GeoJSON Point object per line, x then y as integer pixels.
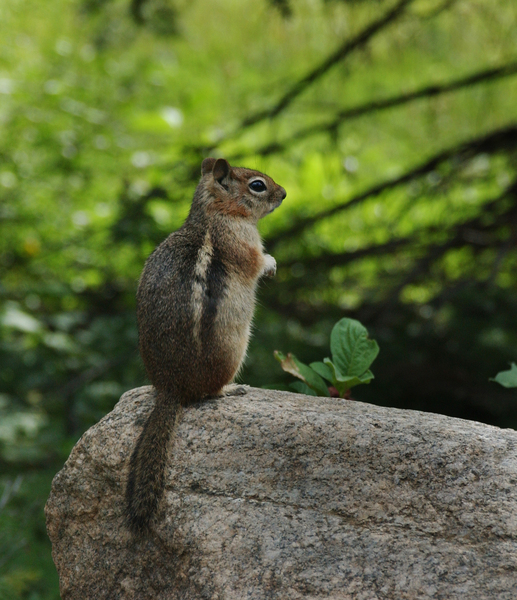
{"type": "Point", "coordinates": [274, 207]}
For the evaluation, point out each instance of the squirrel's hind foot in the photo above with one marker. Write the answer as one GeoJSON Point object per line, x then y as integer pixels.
{"type": "Point", "coordinates": [235, 389]}
{"type": "Point", "coordinates": [232, 389]}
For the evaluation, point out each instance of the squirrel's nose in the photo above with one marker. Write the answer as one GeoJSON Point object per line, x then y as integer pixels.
{"type": "Point", "coordinates": [284, 193]}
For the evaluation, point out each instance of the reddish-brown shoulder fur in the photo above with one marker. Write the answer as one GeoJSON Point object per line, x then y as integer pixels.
{"type": "Point", "coordinates": [248, 261]}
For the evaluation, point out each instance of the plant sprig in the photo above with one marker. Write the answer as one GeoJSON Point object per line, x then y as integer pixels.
{"type": "Point", "coordinates": [352, 355]}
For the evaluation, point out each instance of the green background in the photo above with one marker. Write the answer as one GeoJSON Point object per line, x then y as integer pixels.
{"type": "Point", "coordinates": [392, 126]}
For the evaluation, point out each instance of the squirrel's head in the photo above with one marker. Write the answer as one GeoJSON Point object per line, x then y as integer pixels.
{"type": "Point", "coordinates": [236, 191]}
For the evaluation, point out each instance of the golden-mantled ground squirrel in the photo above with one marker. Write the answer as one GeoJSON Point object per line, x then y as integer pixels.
{"type": "Point", "coordinates": [195, 305]}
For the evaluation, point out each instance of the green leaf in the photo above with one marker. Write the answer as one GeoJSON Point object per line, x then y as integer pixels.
{"type": "Point", "coordinates": [507, 379]}
{"type": "Point", "coordinates": [302, 388]}
{"type": "Point", "coordinates": [292, 365]}
{"type": "Point", "coordinates": [345, 382]}
{"type": "Point", "coordinates": [336, 374]}
{"type": "Point", "coordinates": [352, 351]}
{"type": "Point", "coordinates": [323, 370]}
{"type": "Point", "coordinates": [367, 377]}
{"type": "Point", "coordinates": [339, 381]}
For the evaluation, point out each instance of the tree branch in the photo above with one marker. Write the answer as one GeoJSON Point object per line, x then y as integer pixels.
{"type": "Point", "coordinates": [379, 105]}
{"type": "Point", "coordinates": [489, 143]}
{"type": "Point", "coordinates": [136, 9]}
{"type": "Point", "coordinates": [331, 259]}
{"type": "Point", "coordinates": [467, 232]}
{"type": "Point", "coordinates": [338, 55]}
{"type": "Point", "coordinates": [471, 232]}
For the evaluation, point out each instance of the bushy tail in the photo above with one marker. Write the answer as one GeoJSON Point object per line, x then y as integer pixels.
{"type": "Point", "coordinates": [147, 465]}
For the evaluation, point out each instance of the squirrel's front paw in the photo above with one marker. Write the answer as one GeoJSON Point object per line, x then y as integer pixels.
{"type": "Point", "coordinates": [270, 266]}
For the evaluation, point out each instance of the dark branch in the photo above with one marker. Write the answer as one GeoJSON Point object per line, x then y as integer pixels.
{"type": "Point", "coordinates": [473, 232]}
{"type": "Point", "coordinates": [378, 105]}
{"type": "Point", "coordinates": [137, 12]}
{"type": "Point", "coordinates": [470, 232]}
{"type": "Point", "coordinates": [283, 6]}
{"type": "Point", "coordinates": [489, 143]}
{"type": "Point", "coordinates": [338, 55]}
{"type": "Point", "coordinates": [331, 259]}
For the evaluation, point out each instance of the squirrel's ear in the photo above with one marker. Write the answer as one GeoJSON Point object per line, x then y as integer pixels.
{"type": "Point", "coordinates": [207, 165]}
{"type": "Point", "coordinates": [220, 169]}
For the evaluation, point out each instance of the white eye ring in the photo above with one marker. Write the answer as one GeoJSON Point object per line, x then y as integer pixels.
{"type": "Point", "coordinates": [258, 186]}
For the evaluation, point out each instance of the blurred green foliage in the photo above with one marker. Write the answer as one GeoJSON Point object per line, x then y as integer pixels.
{"type": "Point", "coordinates": [393, 127]}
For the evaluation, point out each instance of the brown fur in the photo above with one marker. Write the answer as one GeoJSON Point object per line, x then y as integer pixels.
{"type": "Point", "coordinates": [248, 262]}
{"type": "Point", "coordinates": [195, 304]}
{"type": "Point", "coordinates": [230, 209]}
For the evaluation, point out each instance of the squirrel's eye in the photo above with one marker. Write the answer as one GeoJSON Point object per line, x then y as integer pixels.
{"type": "Point", "coordinates": [258, 186]}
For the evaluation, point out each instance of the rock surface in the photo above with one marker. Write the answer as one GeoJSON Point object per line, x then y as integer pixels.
{"type": "Point", "coordinates": [282, 496]}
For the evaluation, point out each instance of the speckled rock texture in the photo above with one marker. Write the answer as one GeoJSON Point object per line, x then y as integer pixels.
{"type": "Point", "coordinates": [275, 495]}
